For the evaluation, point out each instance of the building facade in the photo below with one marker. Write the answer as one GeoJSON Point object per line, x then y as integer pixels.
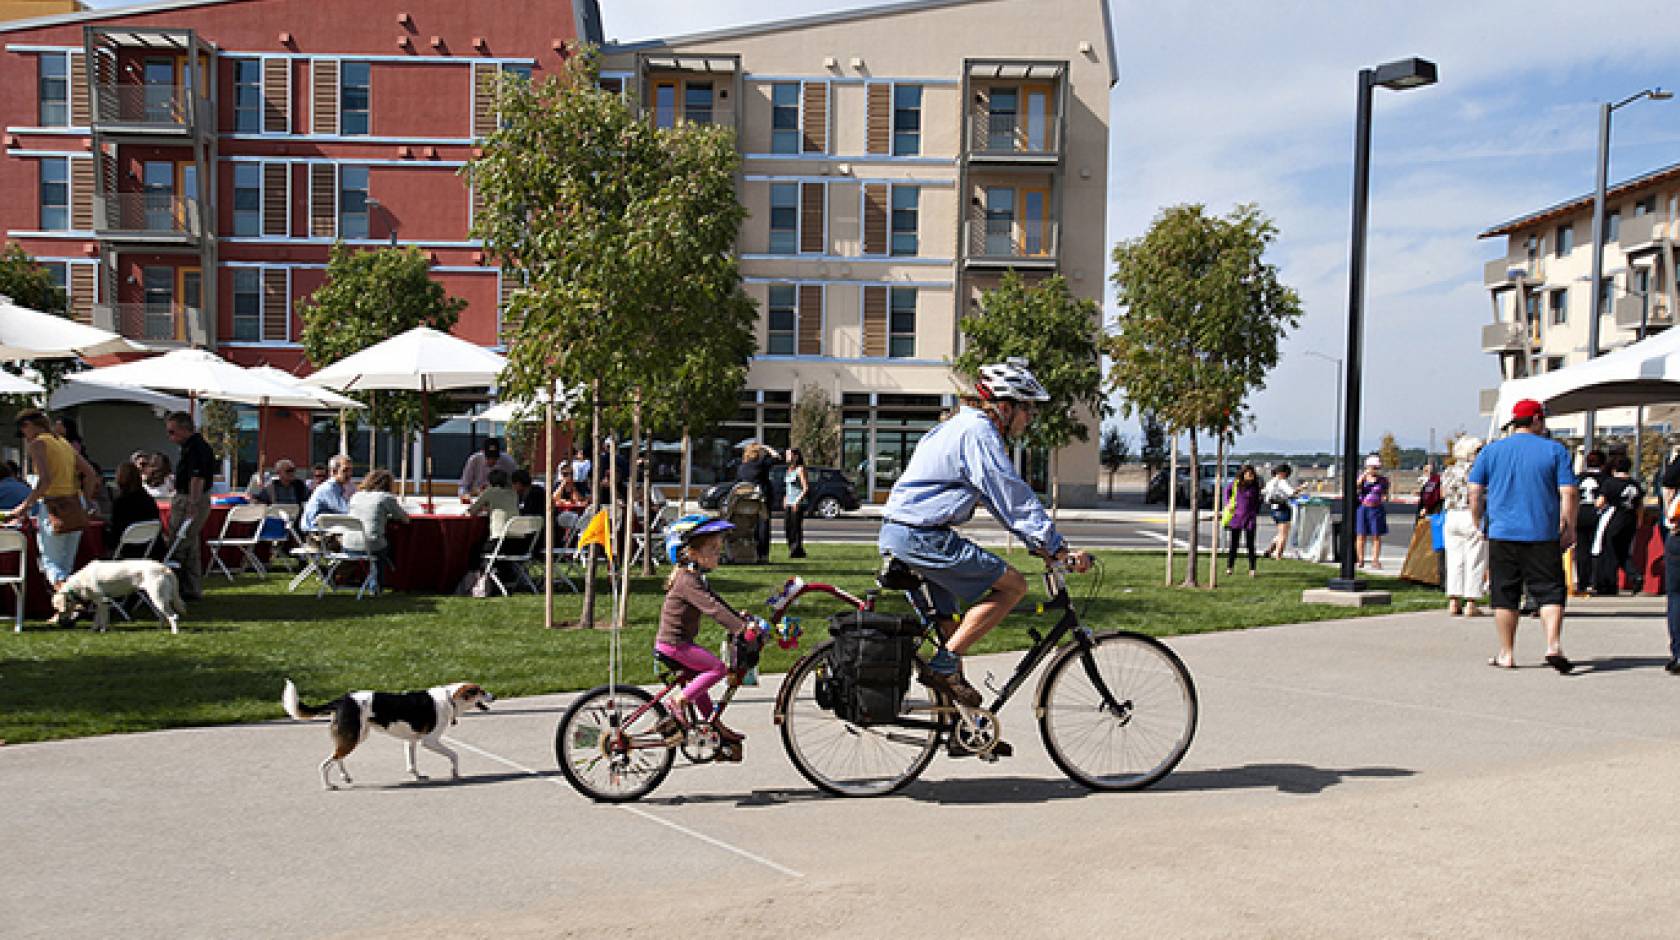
{"type": "Point", "coordinates": [896, 161]}
{"type": "Point", "coordinates": [1542, 298]}
{"type": "Point", "coordinates": [184, 168]}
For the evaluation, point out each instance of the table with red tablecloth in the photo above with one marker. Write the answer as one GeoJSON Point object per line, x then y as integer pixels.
{"type": "Point", "coordinates": [212, 529]}
{"type": "Point", "coordinates": [432, 553]}
{"type": "Point", "coordinates": [1648, 556]}
{"type": "Point", "coordinates": [38, 594]}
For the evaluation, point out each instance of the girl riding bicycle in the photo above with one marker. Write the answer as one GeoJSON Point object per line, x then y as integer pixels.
{"type": "Point", "coordinates": [694, 545]}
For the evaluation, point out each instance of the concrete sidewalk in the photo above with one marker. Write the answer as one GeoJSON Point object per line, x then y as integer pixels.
{"type": "Point", "coordinates": [1351, 778]}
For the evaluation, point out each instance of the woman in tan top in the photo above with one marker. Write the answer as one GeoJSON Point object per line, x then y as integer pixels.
{"type": "Point", "coordinates": [62, 476]}
{"type": "Point", "coordinates": [695, 548]}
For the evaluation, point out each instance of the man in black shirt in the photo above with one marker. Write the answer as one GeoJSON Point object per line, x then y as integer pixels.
{"type": "Point", "coordinates": [1620, 498]}
{"type": "Point", "coordinates": [188, 511]}
{"type": "Point", "coordinates": [1671, 562]}
{"type": "Point", "coordinates": [532, 500]}
{"type": "Point", "coordinates": [1586, 520]}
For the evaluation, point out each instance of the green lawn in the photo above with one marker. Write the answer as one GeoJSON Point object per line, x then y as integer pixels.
{"type": "Point", "coordinates": [243, 640]}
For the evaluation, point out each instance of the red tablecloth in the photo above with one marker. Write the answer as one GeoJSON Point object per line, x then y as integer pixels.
{"type": "Point", "coordinates": [212, 529]}
{"type": "Point", "coordinates": [1648, 556]}
{"type": "Point", "coordinates": [38, 594]}
{"type": "Point", "coordinates": [432, 553]}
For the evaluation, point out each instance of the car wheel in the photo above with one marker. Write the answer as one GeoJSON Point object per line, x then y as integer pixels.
{"type": "Point", "coordinates": [828, 508]}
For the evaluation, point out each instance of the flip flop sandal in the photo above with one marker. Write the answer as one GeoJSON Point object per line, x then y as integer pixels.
{"type": "Point", "coordinates": [1559, 662]}
{"type": "Point", "coordinates": [1495, 663]}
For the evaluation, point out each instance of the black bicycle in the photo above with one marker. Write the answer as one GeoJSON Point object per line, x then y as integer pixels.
{"type": "Point", "coordinates": [1117, 710]}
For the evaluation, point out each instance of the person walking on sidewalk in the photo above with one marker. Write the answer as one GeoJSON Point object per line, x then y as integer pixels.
{"type": "Point", "coordinates": [1466, 546]}
{"type": "Point", "coordinates": [1586, 520]}
{"type": "Point", "coordinates": [1277, 495]}
{"type": "Point", "coordinates": [1371, 519]}
{"type": "Point", "coordinates": [1242, 514]}
{"type": "Point", "coordinates": [1523, 495]}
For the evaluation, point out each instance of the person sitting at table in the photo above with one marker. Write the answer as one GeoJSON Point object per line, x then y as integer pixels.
{"type": "Point", "coordinates": [532, 499]}
{"type": "Point", "coordinates": [498, 500]}
{"type": "Point", "coordinates": [331, 497]}
{"type": "Point", "coordinates": [317, 476]}
{"type": "Point", "coordinates": [476, 475]}
{"type": "Point", "coordinates": [285, 488]}
{"type": "Point", "coordinates": [159, 478]}
{"type": "Point", "coordinates": [133, 504]}
{"type": "Point", "coordinates": [12, 489]}
{"type": "Point", "coordinates": [375, 505]}
{"type": "Point", "coordinates": [571, 496]}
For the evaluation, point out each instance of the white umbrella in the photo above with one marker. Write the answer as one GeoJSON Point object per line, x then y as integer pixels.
{"type": "Point", "coordinates": [505, 412]}
{"type": "Point", "coordinates": [18, 385]}
{"type": "Point", "coordinates": [421, 360]}
{"type": "Point", "coordinates": [326, 397]}
{"type": "Point", "coordinates": [71, 394]}
{"type": "Point", "coordinates": [31, 334]}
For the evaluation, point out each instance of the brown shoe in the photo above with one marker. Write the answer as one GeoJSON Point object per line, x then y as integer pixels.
{"type": "Point", "coordinates": [671, 730]}
{"type": "Point", "coordinates": [952, 684]}
{"type": "Point", "coordinates": [727, 733]}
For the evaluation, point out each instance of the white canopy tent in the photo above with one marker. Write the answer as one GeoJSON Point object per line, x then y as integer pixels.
{"type": "Point", "coordinates": [1645, 373]}
{"type": "Point", "coordinates": [18, 385]}
{"type": "Point", "coordinates": [82, 391]}
{"type": "Point", "coordinates": [31, 334]}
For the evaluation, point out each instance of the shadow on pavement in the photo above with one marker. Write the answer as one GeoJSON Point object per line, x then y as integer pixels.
{"type": "Point", "coordinates": [1617, 663]}
{"type": "Point", "coordinates": [443, 781]}
{"type": "Point", "coordinates": [1286, 778]}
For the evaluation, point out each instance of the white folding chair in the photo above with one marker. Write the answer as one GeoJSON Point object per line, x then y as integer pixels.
{"type": "Point", "coordinates": [241, 529]}
{"type": "Point", "coordinates": [181, 527]}
{"type": "Point", "coordinates": [281, 539]}
{"type": "Point", "coordinates": [136, 542]}
{"type": "Point", "coordinates": [14, 542]}
{"type": "Point", "coordinates": [513, 546]}
{"type": "Point", "coordinates": [567, 527]}
{"type": "Point", "coordinates": [663, 515]}
{"type": "Point", "coordinates": [336, 553]}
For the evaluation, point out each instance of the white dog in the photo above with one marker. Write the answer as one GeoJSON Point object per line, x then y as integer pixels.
{"type": "Point", "coordinates": [101, 583]}
{"type": "Point", "coordinates": [417, 718]}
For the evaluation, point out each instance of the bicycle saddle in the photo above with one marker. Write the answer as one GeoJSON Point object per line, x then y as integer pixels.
{"type": "Point", "coordinates": [895, 575]}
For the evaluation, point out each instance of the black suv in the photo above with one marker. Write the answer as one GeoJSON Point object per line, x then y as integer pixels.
{"type": "Point", "coordinates": [831, 493]}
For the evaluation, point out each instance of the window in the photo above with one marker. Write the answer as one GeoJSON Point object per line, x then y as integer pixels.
{"type": "Point", "coordinates": [354, 94]}
{"type": "Point", "coordinates": [613, 84]}
{"type": "Point", "coordinates": [1604, 288]}
{"type": "Point", "coordinates": [1531, 247]}
{"type": "Point", "coordinates": [55, 90]}
{"type": "Point", "coordinates": [665, 104]}
{"type": "Point", "coordinates": [55, 194]}
{"type": "Point", "coordinates": [905, 201]}
{"type": "Point", "coordinates": [901, 330]}
{"type": "Point", "coordinates": [353, 202]}
{"type": "Point", "coordinates": [247, 96]}
{"type": "Point", "coordinates": [784, 117]}
{"type": "Point", "coordinates": [520, 72]}
{"type": "Point", "coordinates": [907, 120]}
{"type": "Point", "coordinates": [1644, 206]}
{"type": "Point", "coordinates": [1554, 363]}
{"type": "Point", "coordinates": [1565, 240]}
{"type": "Point", "coordinates": [1613, 225]}
{"type": "Point", "coordinates": [784, 218]}
{"type": "Point", "coordinates": [247, 304]}
{"type": "Point", "coordinates": [697, 102]}
{"type": "Point", "coordinates": [1000, 128]}
{"type": "Point", "coordinates": [59, 271]}
{"type": "Point", "coordinates": [247, 199]}
{"type": "Point", "coordinates": [784, 320]}
{"type": "Point", "coordinates": [1560, 307]}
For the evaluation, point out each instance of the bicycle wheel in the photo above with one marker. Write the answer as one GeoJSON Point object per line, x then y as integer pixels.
{"type": "Point", "coordinates": [1127, 748]}
{"type": "Point", "coordinates": [847, 759]}
{"type": "Point", "coordinates": [607, 751]}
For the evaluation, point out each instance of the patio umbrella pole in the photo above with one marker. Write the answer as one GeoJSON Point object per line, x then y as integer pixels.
{"type": "Point", "coordinates": [426, 442]}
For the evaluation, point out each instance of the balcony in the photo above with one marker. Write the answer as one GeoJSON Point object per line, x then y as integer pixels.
{"type": "Point", "coordinates": [149, 110]}
{"type": "Point", "coordinates": [1008, 138]}
{"type": "Point", "coordinates": [1507, 337]}
{"type": "Point", "coordinates": [1004, 243]}
{"type": "Point", "coordinates": [1642, 234]}
{"type": "Point", "coordinates": [155, 324]}
{"type": "Point", "coordinates": [154, 218]}
{"type": "Point", "coordinates": [1016, 111]}
{"type": "Point", "coordinates": [1631, 312]}
{"type": "Point", "coordinates": [1487, 400]}
{"type": "Point", "coordinates": [1508, 272]}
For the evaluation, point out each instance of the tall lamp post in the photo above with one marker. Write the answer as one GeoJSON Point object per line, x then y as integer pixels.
{"type": "Point", "coordinates": [1399, 75]}
{"type": "Point", "coordinates": [1599, 294]}
{"type": "Point", "coordinates": [1338, 361]}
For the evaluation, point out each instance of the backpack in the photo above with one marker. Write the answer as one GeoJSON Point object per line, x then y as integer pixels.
{"type": "Point", "coordinates": [869, 665]}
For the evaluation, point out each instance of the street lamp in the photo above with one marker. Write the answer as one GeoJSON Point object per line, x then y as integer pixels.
{"type": "Point", "coordinates": [390, 220]}
{"type": "Point", "coordinates": [1338, 361]}
{"type": "Point", "coordinates": [1397, 76]}
{"type": "Point", "coordinates": [1597, 276]}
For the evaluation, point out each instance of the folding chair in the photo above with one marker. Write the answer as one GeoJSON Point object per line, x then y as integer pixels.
{"type": "Point", "coordinates": [663, 515]}
{"type": "Point", "coordinates": [235, 535]}
{"type": "Point", "coordinates": [335, 554]}
{"type": "Point", "coordinates": [567, 526]}
{"type": "Point", "coordinates": [281, 539]}
{"type": "Point", "coordinates": [137, 541]}
{"type": "Point", "coordinates": [513, 546]}
{"type": "Point", "coordinates": [181, 527]}
{"type": "Point", "coordinates": [14, 542]}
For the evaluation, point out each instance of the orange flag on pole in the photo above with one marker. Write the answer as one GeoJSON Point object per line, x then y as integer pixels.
{"type": "Point", "coordinates": [595, 533]}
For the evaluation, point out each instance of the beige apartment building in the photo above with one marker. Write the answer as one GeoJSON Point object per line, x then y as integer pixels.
{"type": "Point", "coordinates": [896, 161]}
{"type": "Point", "coordinates": [1542, 299]}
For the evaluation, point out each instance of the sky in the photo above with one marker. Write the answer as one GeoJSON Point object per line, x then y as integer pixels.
{"type": "Point", "coordinates": [1230, 101]}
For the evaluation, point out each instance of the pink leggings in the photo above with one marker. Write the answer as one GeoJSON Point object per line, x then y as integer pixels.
{"type": "Point", "coordinates": [699, 660]}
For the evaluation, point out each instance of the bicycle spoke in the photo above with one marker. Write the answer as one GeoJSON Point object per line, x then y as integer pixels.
{"type": "Point", "coordinates": [1136, 744]}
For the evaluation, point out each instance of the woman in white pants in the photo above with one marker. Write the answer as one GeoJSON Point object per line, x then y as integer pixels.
{"type": "Point", "coordinates": [1467, 547]}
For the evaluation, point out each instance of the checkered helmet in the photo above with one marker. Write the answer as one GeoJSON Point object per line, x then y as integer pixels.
{"type": "Point", "coordinates": [678, 534]}
{"type": "Point", "coordinates": [1010, 380]}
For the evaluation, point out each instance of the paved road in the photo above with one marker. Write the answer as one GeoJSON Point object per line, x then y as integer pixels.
{"type": "Point", "coordinates": [1364, 778]}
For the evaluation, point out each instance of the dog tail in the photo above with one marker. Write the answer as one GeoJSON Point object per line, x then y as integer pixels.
{"type": "Point", "coordinates": [300, 711]}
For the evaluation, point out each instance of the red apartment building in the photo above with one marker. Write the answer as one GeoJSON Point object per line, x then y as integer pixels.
{"type": "Point", "coordinates": [184, 167]}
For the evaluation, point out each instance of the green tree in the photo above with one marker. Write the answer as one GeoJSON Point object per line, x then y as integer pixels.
{"type": "Point", "coordinates": [1202, 315]}
{"type": "Point", "coordinates": [1060, 336]}
{"type": "Point", "coordinates": [370, 296]}
{"type": "Point", "coordinates": [220, 426]}
{"type": "Point", "coordinates": [623, 235]}
{"type": "Point", "coordinates": [1389, 451]}
{"type": "Point", "coordinates": [1115, 451]}
{"type": "Point", "coordinates": [29, 285]}
{"type": "Point", "coordinates": [1154, 453]}
{"type": "Point", "coordinates": [815, 427]}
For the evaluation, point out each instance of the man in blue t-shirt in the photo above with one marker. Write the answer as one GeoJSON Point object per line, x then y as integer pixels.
{"type": "Point", "coordinates": [1523, 495]}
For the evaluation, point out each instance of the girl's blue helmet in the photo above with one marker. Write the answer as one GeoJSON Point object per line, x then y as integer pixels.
{"type": "Point", "coordinates": [678, 534]}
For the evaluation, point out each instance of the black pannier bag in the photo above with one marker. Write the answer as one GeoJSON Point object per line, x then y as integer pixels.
{"type": "Point", "coordinates": [869, 665]}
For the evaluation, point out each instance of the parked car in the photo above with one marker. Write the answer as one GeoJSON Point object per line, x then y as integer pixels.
{"type": "Point", "coordinates": [1157, 491]}
{"type": "Point", "coordinates": [831, 493]}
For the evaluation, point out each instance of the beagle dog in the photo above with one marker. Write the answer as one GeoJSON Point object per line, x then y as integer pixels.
{"type": "Point", "coordinates": [417, 718]}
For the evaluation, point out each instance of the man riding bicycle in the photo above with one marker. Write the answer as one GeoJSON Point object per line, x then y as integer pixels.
{"type": "Point", "coordinates": [960, 462]}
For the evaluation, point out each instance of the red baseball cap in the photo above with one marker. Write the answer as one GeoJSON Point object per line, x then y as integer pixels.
{"type": "Point", "coordinates": [1527, 408]}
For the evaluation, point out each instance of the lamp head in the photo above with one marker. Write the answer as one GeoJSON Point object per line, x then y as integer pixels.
{"type": "Point", "coordinates": [1658, 94]}
{"type": "Point", "coordinates": [1405, 73]}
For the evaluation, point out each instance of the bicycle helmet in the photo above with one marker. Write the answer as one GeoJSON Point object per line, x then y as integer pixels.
{"type": "Point", "coordinates": [1009, 380]}
{"type": "Point", "coordinates": [679, 533]}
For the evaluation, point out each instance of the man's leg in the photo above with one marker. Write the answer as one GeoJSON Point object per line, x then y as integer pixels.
{"type": "Point", "coordinates": [1552, 616]}
{"type": "Point", "coordinates": [1506, 620]}
{"type": "Point", "coordinates": [1505, 590]}
{"type": "Point", "coordinates": [1671, 584]}
{"type": "Point", "coordinates": [1007, 591]}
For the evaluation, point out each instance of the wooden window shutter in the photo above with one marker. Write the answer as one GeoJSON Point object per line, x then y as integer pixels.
{"type": "Point", "coordinates": [812, 235]}
{"type": "Point", "coordinates": [324, 115]}
{"type": "Point", "coordinates": [477, 201]}
{"type": "Point", "coordinates": [878, 135]}
{"type": "Point", "coordinates": [83, 281]}
{"type": "Point", "coordinates": [815, 125]}
{"type": "Point", "coordinates": [875, 219]}
{"type": "Point", "coordinates": [81, 112]}
{"type": "Point", "coordinates": [509, 286]}
{"type": "Point", "coordinates": [277, 95]}
{"type": "Point", "coordinates": [277, 202]}
{"type": "Point", "coordinates": [323, 200]}
{"type": "Point", "coordinates": [810, 319]}
{"type": "Point", "coordinates": [875, 322]}
{"type": "Point", "coordinates": [81, 195]}
{"type": "Point", "coordinates": [484, 98]}
{"type": "Point", "coordinates": [276, 326]}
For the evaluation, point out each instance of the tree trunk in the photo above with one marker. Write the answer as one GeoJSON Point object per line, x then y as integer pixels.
{"type": "Point", "coordinates": [1193, 554]}
{"type": "Point", "coordinates": [548, 512]}
{"type": "Point", "coordinates": [621, 617]}
{"type": "Point", "coordinates": [1218, 511]}
{"type": "Point", "coordinates": [1172, 506]}
{"type": "Point", "coordinates": [647, 508]}
{"type": "Point", "coordinates": [586, 617]}
{"type": "Point", "coordinates": [402, 473]}
{"type": "Point", "coordinates": [687, 469]}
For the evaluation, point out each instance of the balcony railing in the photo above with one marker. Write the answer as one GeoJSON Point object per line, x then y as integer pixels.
{"type": "Point", "coordinates": [1641, 231]}
{"type": "Point", "coordinates": [167, 108]}
{"type": "Point", "coordinates": [153, 216]}
{"type": "Point", "coordinates": [1487, 400]}
{"type": "Point", "coordinates": [1502, 271]}
{"type": "Point", "coordinates": [1007, 137]}
{"type": "Point", "coordinates": [1506, 337]}
{"type": "Point", "coordinates": [1631, 313]}
{"type": "Point", "coordinates": [155, 323]}
{"type": "Point", "coordinates": [1005, 241]}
